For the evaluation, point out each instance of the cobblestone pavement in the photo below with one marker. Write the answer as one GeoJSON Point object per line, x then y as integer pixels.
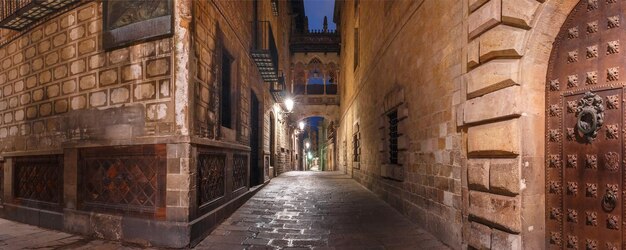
{"type": "Point", "coordinates": [297, 210]}
{"type": "Point", "coordinates": [318, 210]}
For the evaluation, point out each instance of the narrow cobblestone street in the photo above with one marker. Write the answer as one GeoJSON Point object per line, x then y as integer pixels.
{"type": "Point", "coordinates": [297, 210]}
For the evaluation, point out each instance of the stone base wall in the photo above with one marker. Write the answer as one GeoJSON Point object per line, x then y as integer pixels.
{"type": "Point", "coordinates": [167, 195]}
{"type": "Point", "coordinates": [409, 63]}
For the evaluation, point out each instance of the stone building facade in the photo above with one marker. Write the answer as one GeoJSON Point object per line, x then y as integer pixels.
{"type": "Point", "coordinates": [465, 116]}
{"type": "Point", "coordinates": [476, 119]}
{"type": "Point", "coordinates": [144, 142]}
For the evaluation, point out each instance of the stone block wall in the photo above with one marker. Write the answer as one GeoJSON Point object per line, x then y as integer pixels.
{"type": "Point", "coordinates": [62, 95]}
{"type": "Point", "coordinates": [226, 25]}
{"type": "Point", "coordinates": [409, 62]}
{"type": "Point", "coordinates": [503, 117]}
{"type": "Point", "coordinates": [59, 87]}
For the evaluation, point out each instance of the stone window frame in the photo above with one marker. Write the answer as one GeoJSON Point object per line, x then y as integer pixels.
{"type": "Point", "coordinates": [394, 101]}
{"type": "Point", "coordinates": [356, 146]}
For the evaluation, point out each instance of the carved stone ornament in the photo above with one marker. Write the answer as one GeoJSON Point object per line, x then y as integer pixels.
{"type": "Point", "coordinates": [572, 81]}
{"type": "Point", "coordinates": [555, 238]}
{"type": "Point", "coordinates": [554, 135]}
{"type": "Point", "coordinates": [572, 241]}
{"type": "Point", "coordinates": [612, 48]}
{"type": "Point", "coordinates": [592, 218]}
{"type": "Point", "coordinates": [554, 187]}
{"type": "Point", "coordinates": [555, 213]}
{"type": "Point", "coordinates": [591, 190]}
{"type": "Point", "coordinates": [612, 131]}
{"type": "Point", "coordinates": [572, 161]}
{"type": "Point", "coordinates": [571, 134]}
{"type": "Point", "coordinates": [612, 102]}
{"type": "Point", "coordinates": [613, 22]}
{"type": "Point", "coordinates": [592, 27]}
{"type": "Point", "coordinates": [572, 56]}
{"type": "Point", "coordinates": [592, 78]}
{"type": "Point", "coordinates": [554, 161]}
{"type": "Point", "coordinates": [592, 51]}
{"type": "Point", "coordinates": [590, 113]}
{"type": "Point", "coordinates": [572, 106]}
{"type": "Point", "coordinates": [591, 244]}
{"type": "Point", "coordinates": [592, 5]}
{"type": "Point", "coordinates": [572, 33]}
{"type": "Point", "coordinates": [554, 85]}
{"type": "Point", "coordinates": [612, 222]}
{"type": "Point", "coordinates": [612, 161]}
{"type": "Point", "coordinates": [572, 188]}
{"type": "Point", "coordinates": [554, 110]}
{"type": "Point", "coordinates": [572, 216]}
{"type": "Point", "coordinates": [591, 162]}
{"type": "Point", "coordinates": [612, 74]}
{"type": "Point", "coordinates": [611, 246]}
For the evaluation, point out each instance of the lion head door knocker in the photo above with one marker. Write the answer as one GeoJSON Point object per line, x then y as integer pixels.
{"type": "Point", "coordinates": [590, 113]}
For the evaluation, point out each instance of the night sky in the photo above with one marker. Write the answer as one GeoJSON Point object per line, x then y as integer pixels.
{"type": "Point", "coordinates": [316, 10]}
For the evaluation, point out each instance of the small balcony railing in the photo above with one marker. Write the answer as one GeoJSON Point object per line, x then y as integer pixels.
{"type": "Point", "coordinates": [264, 51]}
{"type": "Point", "coordinates": [315, 89]}
{"type": "Point", "coordinates": [19, 14]}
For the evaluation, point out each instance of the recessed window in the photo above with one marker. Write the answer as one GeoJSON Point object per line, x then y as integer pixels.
{"type": "Point", "coordinates": [226, 102]}
{"type": "Point", "coordinates": [356, 144]}
{"type": "Point", "coordinates": [392, 118]}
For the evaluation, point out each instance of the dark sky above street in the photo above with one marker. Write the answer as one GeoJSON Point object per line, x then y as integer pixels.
{"type": "Point", "coordinates": [316, 10]}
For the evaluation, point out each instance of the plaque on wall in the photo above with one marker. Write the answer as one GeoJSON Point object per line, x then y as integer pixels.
{"type": "Point", "coordinates": [127, 22]}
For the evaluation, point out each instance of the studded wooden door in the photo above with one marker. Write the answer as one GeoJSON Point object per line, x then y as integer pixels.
{"type": "Point", "coordinates": [584, 120]}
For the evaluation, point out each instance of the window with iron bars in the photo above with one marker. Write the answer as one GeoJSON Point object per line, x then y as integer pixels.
{"type": "Point", "coordinates": [393, 137]}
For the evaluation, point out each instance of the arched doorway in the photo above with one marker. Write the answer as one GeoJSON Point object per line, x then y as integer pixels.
{"type": "Point", "coordinates": [584, 130]}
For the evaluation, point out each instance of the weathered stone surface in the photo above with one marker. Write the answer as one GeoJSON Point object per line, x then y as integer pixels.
{"type": "Point", "coordinates": [474, 4]}
{"type": "Point", "coordinates": [504, 176]}
{"type": "Point", "coordinates": [473, 53]}
{"type": "Point", "coordinates": [503, 240]}
{"type": "Point", "coordinates": [499, 104]}
{"type": "Point", "coordinates": [478, 174]}
{"type": "Point", "coordinates": [486, 17]}
{"type": "Point", "coordinates": [491, 76]}
{"type": "Point", "coordinates": [519, 12]}
{"type": "Point", "coordinates": [106, 226]}
{"type": "Point", "coordinates": [480, 236]}
{"type": "Point", "coordinates": [499, 211]}
{"type": "Point", "coordinates": [495, 139]}
{"type": "Point", "coordinates": [502, 41]}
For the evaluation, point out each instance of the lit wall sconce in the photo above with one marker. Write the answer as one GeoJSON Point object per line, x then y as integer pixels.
{"type": "Point", "coordinates": [289, 103]}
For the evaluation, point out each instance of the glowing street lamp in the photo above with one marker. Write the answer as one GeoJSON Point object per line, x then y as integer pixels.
{"type": "Point", "coordinates": [289, 104]}
{"type": "Point", "coordinates": [307, 145]}
{"type": "Point", "coordinates": [301, 125]}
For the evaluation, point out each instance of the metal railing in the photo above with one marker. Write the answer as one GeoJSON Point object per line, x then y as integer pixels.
{"type": "Point", "coordinates": [264, 51]}
{"type": "Point", "coordinates": [10, 7]}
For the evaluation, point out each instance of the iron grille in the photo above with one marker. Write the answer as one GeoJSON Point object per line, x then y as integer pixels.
{"type": "Point", "coordinates": [19, 14]}
{"type": "Point", "coordinates": [356, 147]}
{"type": "Point", "coordinates": [393, 137]}
{"type": "Point", "coordinates": [127, 179]}
{"type": "Point", "coordinates": [210, 177]}
{"type": "Point", "coordinates": [240, 171]}
{"type": "Point", "coordinates": [39, 180]}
